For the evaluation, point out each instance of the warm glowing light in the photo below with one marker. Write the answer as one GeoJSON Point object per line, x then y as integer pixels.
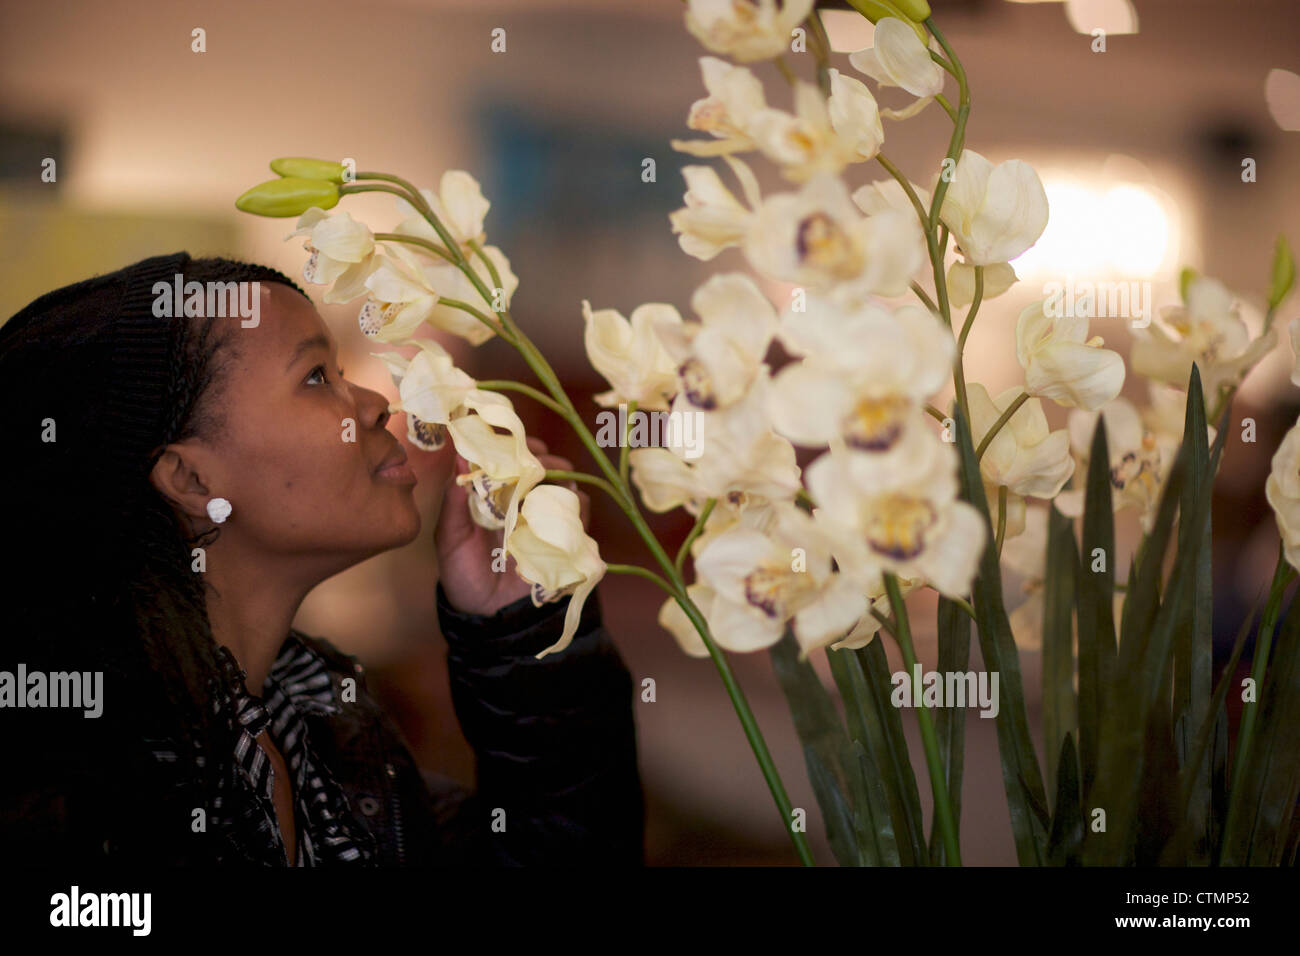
{"type": "Point", "coordinates": [1110, 16]}
{"type": "Point", "coordinates": [1109, 229]}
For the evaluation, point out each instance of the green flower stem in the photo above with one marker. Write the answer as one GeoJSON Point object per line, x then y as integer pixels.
{"type": "Point", "coordinates": [942, 805]}
{"type": "Point", "coordinates": [559, 474]}
{"type": "Point", "coordinates": [929, 302]}
{"type": "Point", "coordinates": [997, 425]}
{"type": "Point", "coordinates": [416, 241]}
{"type": "Point", "coordinates": [886, 624]}
{"type": "Point", "coordinates": [624, 451]}
{"type": "Point", "coordinates": [894, 171]}
{"type": "Point", "coordinates": [1002, 517]}
{"type": "Point", "coordinates": [959, 124]}
{"type": "Point", "coordinates": [1282, 576]}
{"type": "Point", "coordinates": [943, 63]}
{"type": "Point", "coordinates": [974, 308]}
{"type": "Point", "coordinates": [466, 307]}
{"type": "Point", "coordinates": [821, 44]}
{"type": "Point", "coordinates": [505, 385]}
{"type": "Point", "coordinates": [937, 415]}
{"type": "Point", "coordinates": [802, 496]}
{"type": "Point", "coordinates": [696, 531]}
{"type": "Point", "coordinates": [643, 573]}
{"type": "Point", "coordinates": [947, 107]}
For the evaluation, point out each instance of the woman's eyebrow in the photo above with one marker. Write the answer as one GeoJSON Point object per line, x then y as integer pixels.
{"type": "Point", "coordinates": [319, 340]}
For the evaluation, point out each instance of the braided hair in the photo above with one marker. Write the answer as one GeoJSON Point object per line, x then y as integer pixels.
{"type": "Point", "coordinates": [83, 594]}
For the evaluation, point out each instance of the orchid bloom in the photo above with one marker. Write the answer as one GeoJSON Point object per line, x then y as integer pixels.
{"type": "Point", "coordinates": [747, 31]}
{"type": "Point", "coordinates": [342, 252]}
{"type": "Point", "coordinates": [503, 469]}
{"type": "Point", "coordinates": [735, 97]}
{"type": "Point", "coordinates": [629, 354]}
{"type": "Point", "coordinates": [1282, 488]}
{"type": "Point", "coordinates": [899, 58]}
{"type": "Point", "coordinates": [1062, 363]}
{"type": "Point", "coordinates": [901, 512]}
{"type": "Point", "coordinates": [718, 354]}
{"type": "Point", "coordinates": [1208, 330]}
{"type": "Point", "coordinates": [817, 238]}
{"type": "Point", "coordinates": [762, 581]}
{"type": "Point", "coordinates": [555, 554]}
{"type": "Point", "coordinates": [713, 219]}
{"type": "Point", "coordinates": [1137, 467]}
{"type": "Point", "coordinates": [994, 212]}
{"type": "Point", "coordinates": [459, 206]}
{"type": "Point", "coordinates": [865, 374]}
{"type": "Point", "coordinates": [431, 391]}
{"type": "Point", "coordinates": [822, 135]}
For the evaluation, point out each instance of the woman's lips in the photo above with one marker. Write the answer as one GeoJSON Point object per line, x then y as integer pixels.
{"type": "Point", "coordinates": [395, 468]}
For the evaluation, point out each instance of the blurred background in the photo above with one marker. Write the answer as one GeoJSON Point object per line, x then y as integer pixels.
{"type": "Point", "coordinates": [1140, 149]}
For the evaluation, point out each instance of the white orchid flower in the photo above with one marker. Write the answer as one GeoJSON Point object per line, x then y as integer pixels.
{"type": "Point", "coordinates": [1062, 363]}
{"type": "Point", "coordinates": [994, 212]}
{"type": "Point", "coordinates": [342, 252]}
{"type": "Point", "coordinates": [1282, 488]}
{"type": "Point", "coordinates": [746, 31]}
{"type": "Point", "coordinates": [817, 238]}
{"type": "Point", "coordinates": [998, 278]}
{"type": "Point", "coordinates": [406, 289]}
{"type": "Point", "coordinates": [431, 391]}
{"type": "Point", "coordinates": [735, 97]}
{"type": "Point", "coordinates": [1208, 330]}
{"type": "Point", "coordinates": [901, 512]}
{"type": "Point", "coordinates": [459, 206]}
{"type": "Point", "coordinates": [782, 576]}
{"type": "Point", "coordinates": [899, 58]}
{"type": "Point", "coordinates": [818, 137]}
{"type": "Point", "coordinates": [673, 619]}
{"type": "Point", "coordinates": [743, 461]}
{"type": "Point", "coordinates": [1025, 456]}
{"type": "Point", "coordinates": [630, 355]}
{"type": "Point", "coordinates": [1294, 330]}
{"type": "Point", "coordinates": [865, 374]}
{"type": "Point", "coordinates": [718, 355]}
{"type": "Point", "coordinates": [555, 554]}
{"type": "Point", "coordinates": [855, 115]}
{"type": "Point", "coordinates": [888, 194]}
{"type": "Point", "coordinates": [1137, 465]}
{"type": "Point", "coordinates": [713, 219]}
{"type": "Point", "coordinates": [503, 469]}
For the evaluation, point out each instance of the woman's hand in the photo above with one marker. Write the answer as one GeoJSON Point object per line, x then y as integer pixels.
{"type": "Point", "coordinates": [466, 550]}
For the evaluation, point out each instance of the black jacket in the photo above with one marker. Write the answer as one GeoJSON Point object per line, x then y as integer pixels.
{"type": "Point", "coordinates": [554, 740]}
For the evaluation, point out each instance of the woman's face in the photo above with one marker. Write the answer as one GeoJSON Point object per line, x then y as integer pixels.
{"type": "Point", "coordinates": [299, 456]}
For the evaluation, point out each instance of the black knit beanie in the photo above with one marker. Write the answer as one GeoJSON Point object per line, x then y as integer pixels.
{"type": "Point", "coordinates": [94, 358]}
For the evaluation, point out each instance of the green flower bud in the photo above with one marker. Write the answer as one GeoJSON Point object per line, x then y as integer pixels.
{"type": "Point", "coordinates": [290, 196]}
{"type": "Point", "coordinates": [1184, 280]}
{"type": "Point", "coordinates": [877, 10]}
{"type": "Point", "coordinates": [1283, 273]}
{"type": "Point", "coordinates": [308, 168]}
{"type": "Point", "coordinates": [917, 10]}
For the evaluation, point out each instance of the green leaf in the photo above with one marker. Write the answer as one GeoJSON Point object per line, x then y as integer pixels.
{"type": "Point", "coordinates": [1066, 845]}
{"type": "Point", "coordinates": [1022, 779]}
{"type": "Point", "coordinates": [1059, 708]}
{"type": "Point", "coordinates": [1096, 590]}
{"type": "Point", "coordinates": [825, 745]}
{"type": "Point", "coordinates": [874, 810]}
{"type": "Point", "coordinates": [887, 745]}
{"type": "Point", "coordinates": [950, 722]}
{"type": "Point", "coordinates": [1260, 836]}
{"type": "Point", "coordinates": [1283, 273]}
{"type": "Point", "coordinates": [1194, 643]}
{"type": "Point", "coordinates": [1130, 726]}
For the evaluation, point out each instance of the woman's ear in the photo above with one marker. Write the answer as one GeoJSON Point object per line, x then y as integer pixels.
{"type": "Point", "coordinates": [176, 474]}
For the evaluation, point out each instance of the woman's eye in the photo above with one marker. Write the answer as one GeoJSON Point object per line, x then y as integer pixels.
{"type": "Point", "coordinates": [322, 371]}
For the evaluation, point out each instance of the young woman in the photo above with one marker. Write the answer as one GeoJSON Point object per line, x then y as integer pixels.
{"type": "Point", "coordinates": [175, 486]}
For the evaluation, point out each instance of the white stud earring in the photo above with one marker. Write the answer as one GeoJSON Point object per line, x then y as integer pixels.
{"type": "Point", "coordinates": [218, 509]}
